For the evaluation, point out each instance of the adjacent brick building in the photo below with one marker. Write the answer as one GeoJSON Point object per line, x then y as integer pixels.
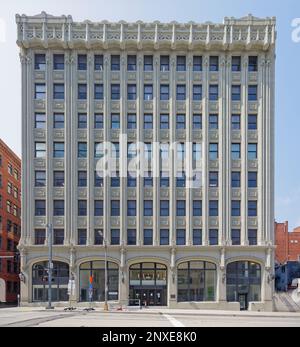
{"type": "Point", "coordinates": [10, 222]}
{"type": "Point", "coordinates": [288, 244]}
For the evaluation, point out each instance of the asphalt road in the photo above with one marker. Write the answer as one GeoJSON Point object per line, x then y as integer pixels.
{"type": "Point", "coordinates": [26, 317]}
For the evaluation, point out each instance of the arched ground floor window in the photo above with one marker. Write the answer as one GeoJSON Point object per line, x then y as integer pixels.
{"type": "Point", "coordinates": [60, 279]}
{"type": "Point", "coordinates": [243, 283]}
{"type": "Point", "coordinates": [196, 281]}
{"type": "Point", "coordinates": [92, 281]}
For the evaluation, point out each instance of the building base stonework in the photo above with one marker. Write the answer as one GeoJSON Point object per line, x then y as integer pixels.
{"type": "Point", "coordinates": [125, 259]}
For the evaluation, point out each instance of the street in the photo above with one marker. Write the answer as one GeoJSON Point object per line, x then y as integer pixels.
{"type": "Point", "coordinates": [39, 317]}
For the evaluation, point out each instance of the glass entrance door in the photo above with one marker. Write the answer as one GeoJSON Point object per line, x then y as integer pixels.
{"type": "Point", "coordinates": [243, 299]}
{"type": "Point", "coordinates": [148, 297]}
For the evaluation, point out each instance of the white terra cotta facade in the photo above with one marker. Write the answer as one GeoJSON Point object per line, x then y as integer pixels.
{"type": "Point", "coordinates": [46, 35]}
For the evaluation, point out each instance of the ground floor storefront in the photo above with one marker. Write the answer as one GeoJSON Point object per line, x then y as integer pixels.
{"type": "Point", "coordinates": [218, 279]}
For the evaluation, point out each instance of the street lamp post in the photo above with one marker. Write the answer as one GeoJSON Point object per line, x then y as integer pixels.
{"type": "Point", "coordinates": [105, 275]}
{"type": "Point", "coordinates": [50, 266]}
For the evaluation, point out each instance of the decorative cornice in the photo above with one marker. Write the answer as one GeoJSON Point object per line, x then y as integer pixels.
{"type": "Point", "coordinates": [46, 31]}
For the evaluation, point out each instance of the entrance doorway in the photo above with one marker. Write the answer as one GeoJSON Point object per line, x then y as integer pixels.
{"type": "Point", "coordinates": [148, 297]}
{"type": "Point", "coordinates": [243, 300]}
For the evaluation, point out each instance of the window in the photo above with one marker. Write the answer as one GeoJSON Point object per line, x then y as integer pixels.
{"type": "Point", "coordinates": [98, 62]}
{"type": "Point", "coordinates": [148, 92]}
{"type": "Point", "coordinates": [252, 93]}
{"type": "Point", "coordinates": [213, 208]}
{"type": "Point", "coordinates": [98, 92]}
{"type": "Point", "coordinates": [148, 63]}
{"type": "Point", "coordinates": [58, 236]}
{"type": "Point", "coordinates": [197, 63]}
{"type": "Point", "coordinates": [148, 180]}
{"type": "Point", "coordinates": [235, 179]}
{"type": "Point", "coordinates": [40, 62]}
{"type": "Point", "coordinates": [115, 92]}
{"type": "Point", "coordinates": [180, 121]}
{"type": "Point", "coordinates": [180, 92]}
{"type": "Point", "coordinates": [180, 208]}
{"type": "Point", "coordinates": [58, 91]}
{"type": "Point", "coordinates": [164, 180]}
{"type": "Point", "coordinates": [214, 64]}
{"type": "Point", "coordinates": [58, 178]}
{"type": "Point", "coordinates": [58, 149]}
{"type": "Point", "coordinates": [197, 208]}
{"type": "Point", "coordinates": [164, 208]}
{"type": "Point", "coordinates": [164, 237]}
{"type": "Point", "coordinates": [115, 181]}
{"type": "Point", "coordinates": [213, 151]}
{"type": "Point", "coordinates": [40, 208]}
{"type": "Point", "coordinates": [213, 237]}
{"type": "Point", "coordinates": [98, 150]}
{"type": "Point", "coordinates": [115, 63]}
{"type": "Point", "coordinates": [148, 121]}
{"type": "Point", "coordinates": [82, 121]}
{"type": "Point", "coordinates": [252, 151]}
{"type": "Point", "coordinates": [213, 122]}
{"type": "Point", "coordinates": [131, 121]}
{"type": "Point", "coordinates": [252, 237]}
{"type": "Point", "coordinates": [236, 122]}
{"type": "Point", "coordinates": [131, 237]}
{"type": "Point", "coordinates": [197, 92]}
{"type": "Point", "coordinates": [131, 208]}
{"type": "Point", "coordinates": [82, 178]}
{"type": "Point", "coordinates": [98, 208]}
{"type": "Point", "coordinates": [235, 151]}
{"type": "Point", "coordinates": [164, 92]}
{"type": "Point", "coordinates": [253, 64]}
{"type": "Point", "coordinates": [180, 180]}
{"type": "Point", "coordinates": [131, 181]}
{"type": "Point", "coordinates": [181, 63]}
{"type": "Point", "coordinates": [40, 91]}
{"type": "Point", "coordinates": [82, 91]}
{"type": "Point", "coordinates": [82, 208]}
{"type": "Point", "coordinates": [213, 92]}
{"type": "Point", "coordinates": [131, 92]}
{"type": "Point", "coordinates": [252, 208]}
{"type": "Point", "coordinates": [236, 237]}
{"type": "Point", "coordinates": [148, 208]}
{"type": "Point", "coordinates": [164, 121]}
{"type": "Point", "coordinates": [213, 179]}
{"type": "Point", "coordinates": [82, 149]}
{"type": "Point", "coordinates": [164, 63]}
{"type": "Point", "coordinates": [115, 121]}
{"type": "Point", "coordinates": [197, 237]}
{"type": "Point", "coordinates": [16, 174]}
{"type": "Point", "coordinates": [115, 208]}
{"type": "Point", "coordinates": [40, 150]}
{"type": "Point", "coordinates": [131, 63]}
{"type": "Point", "coordinates": [39, 237]}
{"type": "Point", "coordinates": [148, 237]}
{"type": "Point", "coordinates": [40, 121]}
{"type": "Point", "coordinates": [40, 179]}
{"type": "Point", "coordinates": [58, 121]}
{"type": "Point", "coordinates": [235, 208]}
{"type": "Point", "coordinates": [252, 179]}
{"type": "Point", "coordinates": [180, 237]}
{"type": "Point", "coordinates": [58, 61]}
{"type": "Point", "coordinates": [197, 121]}
{"type": "Point", "coordinates": [82, 62]}
{"type": "Point", "coordinates": [236, 64]}
{"type": "Point", "coordinates": [98, 121]}
{"type": "Point", "coordinates": [58, 207]}
{"type": "Point", "coordinates": [115, 237]}
{"type": "Point", "coordinates": [10, 169]}
{"type": "Point", "coordinates": [82, 237]}
{"type": "Point", "coordinates": [98, 237]}
{"type": "Point", "coordinates": [252, 122]}
{"type": "Point", "coordinates": [98, 179]}
{"type": "Point", "coordinates": [236, 93]}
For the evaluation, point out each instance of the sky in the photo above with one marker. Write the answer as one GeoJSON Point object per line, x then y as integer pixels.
{"type": "Point", "coordinates": [287, 67]}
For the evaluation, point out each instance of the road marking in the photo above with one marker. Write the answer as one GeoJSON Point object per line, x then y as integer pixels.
{"type": "Point", "coordinates": [174, 321]}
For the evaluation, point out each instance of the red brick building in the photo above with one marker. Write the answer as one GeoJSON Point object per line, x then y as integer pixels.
{"type": "Point", "coordinates": [288, 244]}
{"type": "Point", "coordinates": [10, 222]}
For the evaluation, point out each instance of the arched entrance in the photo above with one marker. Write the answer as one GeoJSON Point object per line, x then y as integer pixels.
{"type": "Point", "coordinates": [243, 283]}
{"type": "Point", "coordinates": [148, 284]}
{"type": "Point", "coordinates": [60, 279]}
{"type": "Point", "coordinates": [92, 275]}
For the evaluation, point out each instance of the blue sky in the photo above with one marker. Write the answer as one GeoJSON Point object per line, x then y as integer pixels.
{"type": "Point", "coordinates": [287, 79]}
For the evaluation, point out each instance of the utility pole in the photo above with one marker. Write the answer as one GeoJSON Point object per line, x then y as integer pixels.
{"type": "Point", "coordinates": [50, 267]}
